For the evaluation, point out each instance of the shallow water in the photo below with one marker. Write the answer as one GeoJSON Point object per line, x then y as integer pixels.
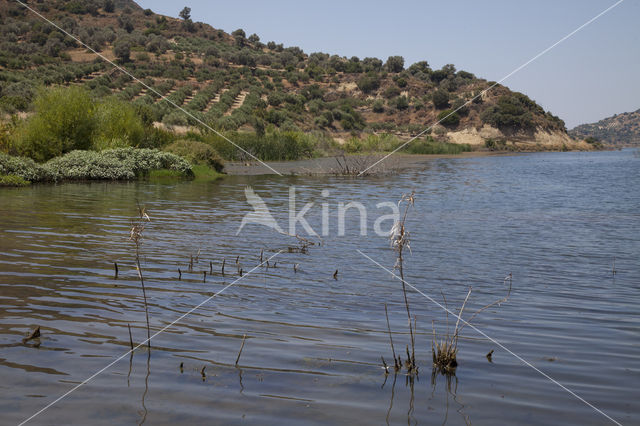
{"type": "Point", "coordinates": [313, 346]}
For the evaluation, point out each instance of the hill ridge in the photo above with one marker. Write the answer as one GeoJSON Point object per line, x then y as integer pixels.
{"type": "Point", "coordinates": [282, 87]}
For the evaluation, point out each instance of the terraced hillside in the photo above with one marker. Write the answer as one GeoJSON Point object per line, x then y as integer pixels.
{"type": "Point", "coordinates": [237, 82]}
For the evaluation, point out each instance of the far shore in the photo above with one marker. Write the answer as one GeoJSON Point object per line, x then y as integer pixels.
{"type": "Point", "coordinates": [330, 165]}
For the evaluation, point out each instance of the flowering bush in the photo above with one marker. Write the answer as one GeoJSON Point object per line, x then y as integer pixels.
{"type": "Point", "coordinates": [111, 164]}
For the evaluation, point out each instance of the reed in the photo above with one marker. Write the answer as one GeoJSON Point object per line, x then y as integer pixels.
{"type": "Point", "coordinates": [400, 241]}
{"type": "Point", "coordinates": [137, 230]}
{"type": "Point", "coordinates": [444, 349]}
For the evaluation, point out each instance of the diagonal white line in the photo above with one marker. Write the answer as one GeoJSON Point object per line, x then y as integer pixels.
{"type": "Point", "coordinates": [180, 318]}
{"type": "Point", "coordinates": [149, 88]}
{"type": "Point", "coordinates": [482, 333]}
{"type": "Point", "coordinates": [493, 85]}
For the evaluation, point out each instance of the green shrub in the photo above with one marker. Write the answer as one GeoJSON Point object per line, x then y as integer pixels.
{"type": "Point", "coordinates": [114, 164]}
{"type": "Point", "coordinates": [89, 165]}
{"type": "Point", "coordinates": [440, 99]}
{"type": "Point", "coordinates": [118, 125]}
{"type": "Point", "coordinates": [13, 180]}
{"type": "Point", "coordinates": [25, 168]}
{"type": "Point", "coordinates": [64, 121]}
{"type": "Point", "coordinates": [197, 153]}
{"type": "Point", "coordinates": [378, 106]}
{"type": "Point", "coordinates": [391, 92]}
{"type": "Point", "coordinates": [449, 118]}
{"type": "Point", "coordinates": [369, 82]}
{"type": "Point", "coordinates": [401, 103]}
{"type": "Point", "coordinates": [512, 111]}
{"type": "Point", "coordinates": [175, 118]}
{"type": "Point", "coordinates": [394, 64]}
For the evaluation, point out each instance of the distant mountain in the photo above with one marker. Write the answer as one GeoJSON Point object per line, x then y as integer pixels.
{"type": "Point", "coordinates": [236, 82]}
{"type": "Point", "coordinates": [621, 129]}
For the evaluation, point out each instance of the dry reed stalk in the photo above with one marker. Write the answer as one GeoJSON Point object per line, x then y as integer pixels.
{"type": "Point", "coordinates": [399, 241]}
{"type": "Point", "coordinates": [393, 349]}
{"type": "Point", "coordinates": [137, 230]}
{"type": "Point", "coordinates": [445, 350]}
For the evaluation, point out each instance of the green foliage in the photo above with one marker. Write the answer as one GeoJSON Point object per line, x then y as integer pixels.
{"type": "Point", "coordinates": [369, 82]}
{"type": "Point", "coordinates": [493, 144]}
{"type": "Point", "coordinates": [378, 106]}
{"type": "Point", "coordinates": [371, 143]}
{"type": "Point", "coordinates": [401, 103]}
{"type": "Point", "coordinates": [204, 173]}
{"type": "Point", "coordinates": [449, 118]}
{"type": "Point", "coordinates": [395, 64]}
{"type": "Point", "coordinates": [185, 13]}
{"type": "Point", "coordinates": [197, 153]}
{"type": "Point", "coordinates": [118, 125]}
{"type": "Point", "coordinates": [513, 111]}
{"type": "Point", "coordinates": [273, 146]}
{"type": "Point", "coordinates": [109, 6]}
{"type": "Point", "coordinates": [591, 140]}
{"type": "Point", "coordinates": [13, 180]}
{"type": "Point", "coordinates": [114, 164]}
{"type": "Point", "coordinates": [25, 168]}
{"type": "Point", "coordinates": [440, 99]}
{"type": "Point", "coordinates": [391, 92]}
{"type": "Point", "coordinates": [122, 50]}
{"type": "Point", "coordinates": [67, 119]}
{"type": "Point", "coordinates": [64, 121]}
{"type": "Point", "coordinates": [429, 146]}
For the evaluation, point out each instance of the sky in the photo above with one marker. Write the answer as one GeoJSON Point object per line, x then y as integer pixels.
{"type": "Point", "coordinates": [592, 75]}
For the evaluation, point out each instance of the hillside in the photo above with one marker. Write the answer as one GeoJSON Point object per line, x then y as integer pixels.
{"type": "Point", "coordinates": [237, 82]}
{"type": "Point", "coordinates": [621, 129]}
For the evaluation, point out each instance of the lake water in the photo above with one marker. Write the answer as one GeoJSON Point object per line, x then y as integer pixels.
{"type": "Point", "coordinates": [556, 221]}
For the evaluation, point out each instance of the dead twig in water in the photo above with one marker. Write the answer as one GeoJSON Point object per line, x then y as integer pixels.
{"type": "Point", "coordinates": [32, 335]}
{"type": "Point", "coordinates": [240, 352]}
{"type": "Point", "coordinates": [130, 336]}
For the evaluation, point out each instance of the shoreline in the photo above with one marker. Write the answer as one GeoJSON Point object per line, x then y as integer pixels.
{"type": "Point", "coordinates": [329, 165]}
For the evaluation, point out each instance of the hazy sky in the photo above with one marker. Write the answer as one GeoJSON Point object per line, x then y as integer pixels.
{"type": "Point", "coordinates": [592, 75]}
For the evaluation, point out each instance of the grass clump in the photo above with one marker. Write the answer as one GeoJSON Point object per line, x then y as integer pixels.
{"type": "Point", "coordinates": [204, 173]}
{"type": "Point", "coordinates": [272, 146]}
{"type": "Point", "coordinates": [197, 153]}
{"type": "Point", "coordinates": [13, 180]}
{"type": "Point", "coordinates": [430, 146]}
